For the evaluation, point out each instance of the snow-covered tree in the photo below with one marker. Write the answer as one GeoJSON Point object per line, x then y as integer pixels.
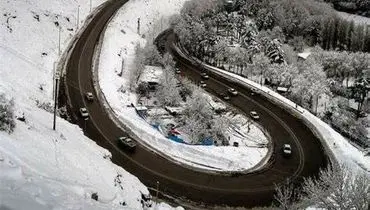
{"type": "Point", "coordinates": [168, 92]}
{"type": "Point", "coordinates": [360, 90]}
{"type": "Point", "coordinates": [151, 55]}
{"type": "Point", "coordinates": [260, 64]}
{"type": "Point", "coordinates": [311, 82]}
{"type": "Point", "coordinates": [137, 68]}
{"type": "Point", "coordinates": [197, 9]}
{"type": "Point", "coordinates": [167, 60]}
{"type": "Point", "coordinates": [338, 188]}
{"type": "Point", "coordinates": [281, 74]}
{"type": "Point", "coordinates": [286, 196]}
{"type": "Point", "coordinates": [219, 127]}
{"type": "Point", "coordinates": [197, 116]}
{"type": "Point", "coordinates": [219, 50]}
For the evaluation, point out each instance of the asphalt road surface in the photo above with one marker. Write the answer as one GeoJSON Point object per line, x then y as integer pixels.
{"type": "Point", "coordinates": [238, 190]}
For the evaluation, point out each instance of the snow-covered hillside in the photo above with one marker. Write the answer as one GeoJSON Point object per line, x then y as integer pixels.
{"type": "Point", "coordinates": [41, 168]}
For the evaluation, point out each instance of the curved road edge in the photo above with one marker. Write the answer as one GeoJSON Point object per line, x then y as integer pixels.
{"type": "Point", "coordinates": [63, 60]}
{"type": "Point", "coordinates": [295, 112]}
{"type": "Point", "coordinates": [263, 163]}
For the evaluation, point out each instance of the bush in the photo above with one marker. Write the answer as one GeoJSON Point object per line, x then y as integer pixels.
{"type": "Point", "coordinates": [7, 122]}
{"type": "Point", "coordinates": [95, 196]}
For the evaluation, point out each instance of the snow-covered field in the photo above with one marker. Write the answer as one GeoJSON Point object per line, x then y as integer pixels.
{"type": "Point", "coordinates": [119, 42]}
{"type": "Point", "coordinates": [41, 168]}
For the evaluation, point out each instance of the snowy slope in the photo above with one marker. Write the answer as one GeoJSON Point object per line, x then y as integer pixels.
{"type": "Point", "coordinates": [119, 42]}
{"type": "Point", "coordinates": [41, 168]}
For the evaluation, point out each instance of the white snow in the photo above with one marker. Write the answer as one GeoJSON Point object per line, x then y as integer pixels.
{"type": "Point", "coordinates": [356, 18]}
{"type": "Point", "coordinates": [304, 55]}
{"type": "Point", "coordinates": [110, 63]}
{"type": "Point", "coordinates": [41, 168]}
{"type": "Point", "coordinates": [343, 151]}
{"type": "Point", "coordinates": [151, 74]}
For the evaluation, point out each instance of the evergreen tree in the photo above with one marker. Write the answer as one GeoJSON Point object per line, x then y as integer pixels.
{"type": "Point", "coordinates": [367, 40]}
{"type": "Point", "coordinates": [334, 33]}
{"type": "Point", "coordinates": [342, 33]}
{"type": "Point", "coordinates": [325, 34]}
{"type": "Point", "coordinates": [349, 35]}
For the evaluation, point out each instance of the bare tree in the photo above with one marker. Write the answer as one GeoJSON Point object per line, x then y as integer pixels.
{"type": "Point", "coordinates": [286, 195]}
{"type": "Point", "coordinates": [338, 188]}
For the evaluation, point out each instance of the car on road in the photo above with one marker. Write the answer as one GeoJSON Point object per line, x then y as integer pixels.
{"type": "Point", "coordinates": [127, 143]}
{"type": "Point", "coordinates": [202, 84]}
{"type": "Point", "coordinates": [254, 115]}
{"type": "Point", "coordinates": [287, 150]}
{"type": "Point", "coordinates": [232, 91]}
{"type": "Point", "coordinates": [225, 96]}
{"type": "Point", "coordinates": [89, 96]}
{"type": "Point", "coordinates": [254, 91]}
{"type": "Point", "coordinates": [177, 71]}
{"type": "Point", "coordinates": [204, 75]}
{"type": "Point", "coordinates": [83, 112]}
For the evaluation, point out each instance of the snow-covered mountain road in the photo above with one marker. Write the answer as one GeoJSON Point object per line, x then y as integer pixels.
{"type": "Point", "coordinates": [247, 190]}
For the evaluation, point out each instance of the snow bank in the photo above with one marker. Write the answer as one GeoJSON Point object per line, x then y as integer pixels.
{"type": "Point", "coordinates": [356, 18]}
{"type": "Point", "coordinates": [41, 168]}
{"type": "Point", "coordinates": [119, 42]}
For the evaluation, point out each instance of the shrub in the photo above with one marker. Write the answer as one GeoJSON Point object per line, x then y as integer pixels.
{"type": "Point", "coordinates": [7, 122]}
{"type": "Point", "coordinates": [95, 196]}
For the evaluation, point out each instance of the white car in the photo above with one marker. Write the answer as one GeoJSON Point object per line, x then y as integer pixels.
{"type": "Point", "coordinates": [204, 75]}
{"type": "Point", "coordinates": [202, 84]}
{"type": "Point", "coordinates": [89, 96]}
{"type": "Point", "coordinates": [232, 91]}
{"type": "Point", "coordinates": [83, 112]}
{"type": "Point", "coordinates": [177, 71]}
{"type": "Point", "coordinates": [254, 115]}
{"type": "Point", "coordinates": [287, 150]}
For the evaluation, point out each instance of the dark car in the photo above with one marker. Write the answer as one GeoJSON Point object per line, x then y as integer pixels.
{"type": "Point", "coordinates": [254, 115]}
{"type": "Point", "coordinates": [84, 113]}
{"type": "Point", "coordinates": [89, 96]}
{"type": "Point", "coordinates": [254, 91]}
{"type": "Point", "coordinates": [224, 96]}
{"type": "Point", "coordinates": [127, 143]}
{"type": "Point", "coordinates": [232, 91]}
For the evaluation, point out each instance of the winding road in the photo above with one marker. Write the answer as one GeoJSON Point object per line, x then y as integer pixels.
{"type": "Point", "coordinates": [242, 190]}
